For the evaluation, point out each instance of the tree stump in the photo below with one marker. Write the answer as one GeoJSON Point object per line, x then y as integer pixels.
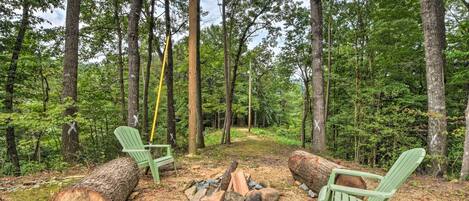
{"type": "Point", "coordinates": [114, 180]}
{"type": "Point", "coordinates": [314, 171]}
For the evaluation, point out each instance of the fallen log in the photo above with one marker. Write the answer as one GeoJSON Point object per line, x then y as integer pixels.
{"type": "Point", "coordinates": [114, 180]}
{"type": "Point", "coordinates": [314, 171]}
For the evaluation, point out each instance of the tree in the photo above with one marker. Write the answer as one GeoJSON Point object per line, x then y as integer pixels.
{"type": "Point", "coordinates": [193, 21]}
{"type": "Point", "coordinates": [120, 61]}
{"type": "Point", "coordinates": [200, 116]}
{"type": "Point", "coordinates": [297, 53]}
{"type": "Point", "coordinates": [134, 63]}
{"type": "Point", "coordinates": [9, 88]}
{"type": "Point", "coordinates": [245, 19]}
{"type": "Point", "coordinates": [70, 143]}
{"type": "Point", "coordinates": [226, 63]}
{"type": "Point", "coordinates": [151, 24]}
{"type": "Point", "coordinates": [319, 133]}
{"type": "Point", "coordinates": [170, 115]}
{"type": "Point", "coordinates": [432, 13]}
{"type": "Point", "coordinates": [465, 160]}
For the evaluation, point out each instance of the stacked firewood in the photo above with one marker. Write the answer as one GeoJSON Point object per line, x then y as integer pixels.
{"type": "Point", "coordinates": [233, 185]}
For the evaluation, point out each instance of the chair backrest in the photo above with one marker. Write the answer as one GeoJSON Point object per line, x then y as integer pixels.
{"type": "Point", "coordinates": [130, 139]}
{"type": "Point", "coordinates": [400, 171]}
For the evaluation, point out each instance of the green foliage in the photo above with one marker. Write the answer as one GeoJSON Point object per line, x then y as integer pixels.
{"type": "Point", "coordinates": [281, 135]}
{"type": "Point", "coordinates": [377, 104]}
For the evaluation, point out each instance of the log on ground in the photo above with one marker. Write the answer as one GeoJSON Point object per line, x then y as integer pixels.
{"type": "Point", "coordinates": [314, 171]}
{"type": "Point", "coordinates": [114, 180]}
{"type": "Point", "coordinates": [226, 177]}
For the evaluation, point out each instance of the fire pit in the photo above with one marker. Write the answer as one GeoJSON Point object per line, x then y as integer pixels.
{"type": "Point", "coordinates": [233, 185]}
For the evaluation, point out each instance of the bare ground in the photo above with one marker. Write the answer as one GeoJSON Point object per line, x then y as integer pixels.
{"type": "Point", "coordinates": [262, 157]}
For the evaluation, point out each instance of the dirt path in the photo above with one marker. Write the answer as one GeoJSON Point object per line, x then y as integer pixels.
{"type": "Point", "coordinates": [266, 161]}
{"type": "Point", "coordinates": [261, 157]}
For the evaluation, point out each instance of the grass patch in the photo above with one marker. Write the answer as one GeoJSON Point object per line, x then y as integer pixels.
{"type": "Point", "coordinates": [282, 136]}
{"type": "Point", "coordinates": [213, 137]}
{"type": "Point", "coordinates": [43, 192]}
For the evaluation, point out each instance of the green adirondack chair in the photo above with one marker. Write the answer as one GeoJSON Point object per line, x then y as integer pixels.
{"type": "Point", "coordinates": [132, 144]}
{"type": "Point", "coordinates": [397, 175]}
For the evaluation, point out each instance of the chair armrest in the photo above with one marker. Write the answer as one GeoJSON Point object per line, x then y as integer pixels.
{"type": "Point", "coordinates": [134, 150]}
{"type": "Point", "coordinates": [157, 145]}
{"type": "Point", "coordinates": [356, 173]}
{"type": "Point", "coordinates": [167, 146]}
{"type": "Point", "coordinates": [360, 192]}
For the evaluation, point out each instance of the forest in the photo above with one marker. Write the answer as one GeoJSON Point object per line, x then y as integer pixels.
{"type": "Point", "coordinates": [356, 83]}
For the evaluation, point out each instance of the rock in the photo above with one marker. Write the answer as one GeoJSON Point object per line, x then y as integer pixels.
{"type": "Point", "coordinates": [190, 184]}
{"type": "Point", "coordinates": [304, 187]}
{"type": "Point", "coordinates": [233, 196]}
{"type": "Point", "coordinates": [254, 195]}
{"type": "Point", "coordinates": [212, 182]}
{"type": "Point", "coordinates": [218, 196]}
{"type": "Point", "coordinates": [312, 194]}
{"type": "Point", "coordinates": [251, 184]}
{"type": "Point", "coordinates": [269, 194]}
{"type": "Point", "coordinates": [258, 186]}
{"type": "Point", "coordinates": [202, 185]}
{"type": "Point", "coordinates": [198, 196]}
{"type": "Point", "coordinates": [190, 192]}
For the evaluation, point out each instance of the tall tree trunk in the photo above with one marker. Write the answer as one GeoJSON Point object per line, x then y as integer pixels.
{"type": "Point", "coordinates": [200, 113]}
{"type": "Point", "coordinates": [433, 13]}
{"type": "Point", "coordinates": [134, 63]}
{"type": "Point", "coordinates": [70, 142]}
{"type": "Point", "coordinates": [170, 115]}
{"type": "Point", "coordinates": [9, 89]}
{"type": "Point", "coordinates": [146, 82]}
{"type": "Point", "coordinates": [465, 160]}
{"type": "Point", "coordinates": [120, 61]}
{"type": "Point", "coordinates": [306, 109]}
{"type": "Point", "coordinates": [226, 139]}
{"type": "Point", "coordinates": [329, 61]}
{"type": "Point", "coordinates": [319, 134]}
{"type": "Point", "coordinates": [193, 76]}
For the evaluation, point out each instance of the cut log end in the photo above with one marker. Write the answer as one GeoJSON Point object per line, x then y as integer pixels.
{"type": "Point", "coordinates": [114, 180]}
{"type": "Point", "coordinates": [80, 194]}
{"type": "Point", "coordinates": [314, 171]}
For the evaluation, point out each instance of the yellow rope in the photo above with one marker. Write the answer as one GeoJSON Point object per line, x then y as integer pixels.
{"type": "Point", "coordinates": [155, 116]}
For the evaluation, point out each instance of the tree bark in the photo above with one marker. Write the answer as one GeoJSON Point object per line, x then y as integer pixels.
{"type": "Point", "coordinates": [134, 64]}
{"type": "Point", "coordinates": [433, 12]}
{"type": "Point", "coordinates": [226, 177]}
{"type": "Point", "coordinates": [146, 82]}
{"type": "Point", "coordinates": [70, 143]}
{"type": "Point", "coordinates": [226, 139]}
{"type": "Point", "coordinates": [200, 113]}
{"type": "Point", "coordinates": [314, 171]}
{"type": "Point", "coordinates": [306, 109]}
{"type": "Point", "coordinates": [120, 61]}
{"type": "Point", "coordinates": [193, 76]}
{"type": "Point", "coordinates": [329, 61]}
{"type": "Point", "coordinates": [114, 180]}
{"type": "Point", "coordinates": [9, 89]}
{"type": "Point", "coordinates": [465, 160]}
{"type": "Point", "coordinates": [319, 134]}
{"type": "Point", "coordinates": [171, 116]}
